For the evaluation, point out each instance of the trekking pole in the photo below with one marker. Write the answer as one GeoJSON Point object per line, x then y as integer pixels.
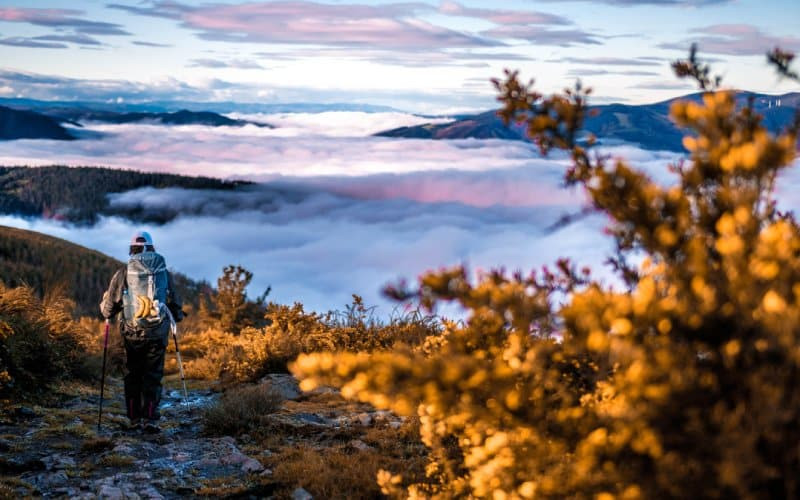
{"type": "Point", "coordinates": [103, 377]}
{"type": "Point", "coordinates": [174, 329]}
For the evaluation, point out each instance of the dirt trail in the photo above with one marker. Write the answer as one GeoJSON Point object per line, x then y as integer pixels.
{"type": "Point", "coordinates": [58, 452]}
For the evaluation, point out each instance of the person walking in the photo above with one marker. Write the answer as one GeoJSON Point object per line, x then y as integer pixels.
{"type": "Point", "coordinates": [144, 294]}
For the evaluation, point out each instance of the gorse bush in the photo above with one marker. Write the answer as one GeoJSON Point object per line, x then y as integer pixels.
{"type": "Point", "coordinates": [683, 385]}
{"type": "Point", "coordinates": [291, 331]}
{"type": "Point", "coordinates": [39, 341]}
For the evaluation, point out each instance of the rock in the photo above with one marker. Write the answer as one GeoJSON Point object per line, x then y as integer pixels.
{"type": "Point", "coordinates": [301, 494]}
{"type": "Point", "coordinates": [364, 419]}
{"type": "Point", "coordinates": [23, 412]}
{"type": "Point", "coordinates": [122, 449]}
{"type": "Point", "coordinates": [108, 492]}
{"type": "Point", "coordinates": [266, 453]}
{"type": "Point", "coordinates": [266, 472]}
{"type": "Point", "coordinates": [324, 389]}
{"type": "Point", "coordinates": [284, 384]}
{"type": "Point", "coordinates": [395, 424]}
{"type": "Point", "coordinates": [245, 438]}
{"type": "Point", "coordinates": [48, 481]}
{"type": "Point", "coordinates": [311, 418]}
{"type": "Point", "coordinates": [234, 458]}
{"type": "Point", "coordinates": [151, 493]}
{"type": "Point", "coordinates": [58, 462]}
{"type": "Point", "coordinates": [208, 462]}
{"type": "Point", "coordinates": [359, 445]}
{"type": "Point", "coordinates": [251, 466]}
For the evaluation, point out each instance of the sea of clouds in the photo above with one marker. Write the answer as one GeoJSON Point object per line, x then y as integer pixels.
{"type": "Point", "coordinates": [337, 211]}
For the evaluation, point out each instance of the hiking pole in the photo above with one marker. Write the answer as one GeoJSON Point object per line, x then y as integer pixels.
{"type": "Point", "coordinates": [103, 377]}
{"type": "Point", "coordinates": [174, 329]}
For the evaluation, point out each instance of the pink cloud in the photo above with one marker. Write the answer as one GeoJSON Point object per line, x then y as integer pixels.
{"type": "Point", "coordinates": [734, 39]}
{"type": "Point", "coordinates": [60, 18]}
{"type": "Point", "coordinates": [303, 22]}
{"type": "Point", "coordinates": [501, 16]}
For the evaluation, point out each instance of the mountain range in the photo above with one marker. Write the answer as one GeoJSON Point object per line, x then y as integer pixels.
{"type": "Point", "coordinates": [648, 125]}
{"type": "Point", "coordinates": [221, 107]}
{"type": "Point", "coordinates": [22, 124]}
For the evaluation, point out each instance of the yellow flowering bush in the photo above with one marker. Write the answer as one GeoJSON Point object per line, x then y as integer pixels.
{"type": "Point", "coordinates": [40, 342]}
{"type": "Point", "coordinates": [253, 352]}
{"type": "Point", "coordinates": [683, 382]}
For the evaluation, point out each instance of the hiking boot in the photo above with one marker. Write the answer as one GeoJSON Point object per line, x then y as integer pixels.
{"type": "Point", "coordinates": [151, 427]}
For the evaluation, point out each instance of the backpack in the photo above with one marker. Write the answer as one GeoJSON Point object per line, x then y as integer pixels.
{"type": "Point", "coordinates": [144, 302]}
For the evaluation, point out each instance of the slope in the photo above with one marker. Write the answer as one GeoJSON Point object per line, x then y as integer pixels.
{"type": "Point", "coordinates": [46, 263]}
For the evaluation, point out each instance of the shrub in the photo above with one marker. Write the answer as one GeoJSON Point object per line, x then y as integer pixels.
{"type": "Point", "coordinates": [254, 352]}
{"type": "Point", "coordinates": [241, 409]}
{"type": "Point", "coordinates": [683, 385]}
{"type": "Point", "coordinates": [39, 341]}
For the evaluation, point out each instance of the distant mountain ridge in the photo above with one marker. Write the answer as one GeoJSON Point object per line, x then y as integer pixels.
{"type": "Point", "coordinates": [182, 117]}
{"type": "Point", "coordinates": [647, 125]}
{"type": "Point", "coordinates": [21, 124]}
{"type": "Point", "coordinates": [213, 106]}
{"type": "Point", "coordinates": [80, 194]}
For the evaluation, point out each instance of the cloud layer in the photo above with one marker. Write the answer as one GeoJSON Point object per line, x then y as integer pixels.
{"type": "Point", "coordinates": [340, 213]}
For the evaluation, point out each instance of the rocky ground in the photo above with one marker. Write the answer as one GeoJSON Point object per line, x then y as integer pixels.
{"type": "Point", "coordinates": [57, 450]}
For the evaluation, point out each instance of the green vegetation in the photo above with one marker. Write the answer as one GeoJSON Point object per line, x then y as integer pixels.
{"type": "Point", "coordinates": [79, 194]}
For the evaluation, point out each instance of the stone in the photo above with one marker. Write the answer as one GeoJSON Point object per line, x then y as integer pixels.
{"type": "Point", "coordinates": [58, 461]}
{"type": "Point", "coordinates": [360, 445]}
{"type": "Point", "coordinates": [251, 466]}
{"type": "Point", "coordinates": [108, 492]}
{"type": "Point", "coordinates": [283, 384]}
{"type": "Point", "coordinates": [122, 449]}
{"type": "Point", "coordinates": [266, 472]}
{"type": "Point", "coordinates": [234, 458]}
{"type": "Point", "coordinates": [364, 419]}
{"type": "Point", "coordinates": [23, 412]}
{"type": "Point", "coordinates": [301, 494]}
{"type": "Point", "coordinates": [54, 480]}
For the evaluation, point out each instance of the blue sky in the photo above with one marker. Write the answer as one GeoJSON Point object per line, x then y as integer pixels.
{"type": "Point", "coordinates": [420, 56]}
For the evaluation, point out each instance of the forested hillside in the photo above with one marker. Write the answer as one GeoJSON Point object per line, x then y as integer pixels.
{"type": "Point", "coordinates": [47, 264]}
{"type": "Point", "coordinates": [78, 194]}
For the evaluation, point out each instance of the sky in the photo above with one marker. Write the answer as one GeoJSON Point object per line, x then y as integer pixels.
{"type": "Point", "coordinates": [418, 56]}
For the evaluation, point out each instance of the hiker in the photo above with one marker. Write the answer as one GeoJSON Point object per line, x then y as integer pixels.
{"type": "Point", "coordinates": [143, 292]}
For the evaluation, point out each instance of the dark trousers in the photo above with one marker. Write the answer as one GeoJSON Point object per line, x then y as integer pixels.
{"type": "Point", "coordinates": [145, 369]}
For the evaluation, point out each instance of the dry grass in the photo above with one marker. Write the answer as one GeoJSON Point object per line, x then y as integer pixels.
{"type": "Point", "coordinates": [11, 488]}
{"type": "Point", "coordinates": [338, 472]}
{"type": "Point", "coordinates": [115, 460]}
{"type": "Point", "coordinates": [95, 445]}
{"type": "Point", "coordinates": [240, 409]}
